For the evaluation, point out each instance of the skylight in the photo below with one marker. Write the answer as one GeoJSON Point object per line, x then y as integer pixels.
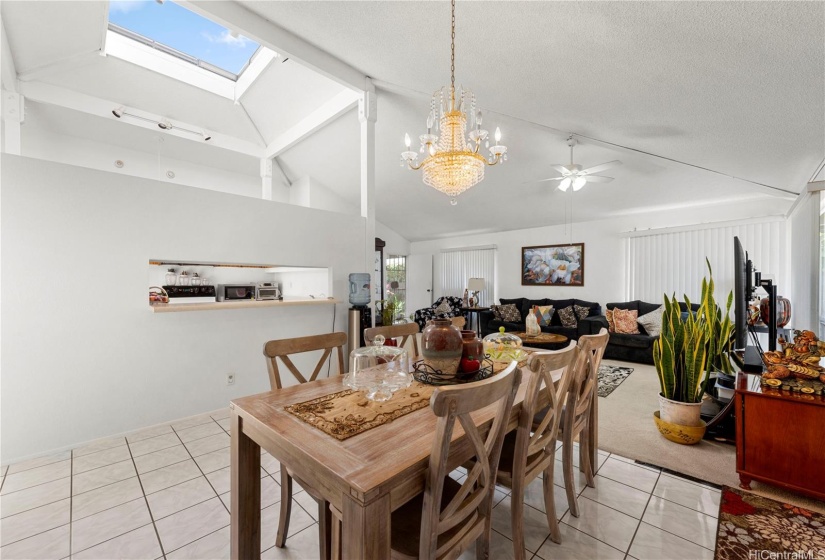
{"type": "Point", "coordinates": [173, 29]}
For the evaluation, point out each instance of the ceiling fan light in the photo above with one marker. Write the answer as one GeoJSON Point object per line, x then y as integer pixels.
{"type": "Point", "coordinates": [565, 184]}
{"type": "Point", "coordinates": [579, 183]}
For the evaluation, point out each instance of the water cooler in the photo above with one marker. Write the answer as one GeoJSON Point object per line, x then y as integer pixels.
{"type": "Point", "coordinates": [360, 314]}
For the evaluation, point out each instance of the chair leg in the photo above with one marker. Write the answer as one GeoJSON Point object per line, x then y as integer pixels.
{"type": "Point", "coordinates": [483, 541]}
{"type": "Point", "coordinates": [517, 516]}
{"type": "Point", "coordinates": [286, 508]}
{"type": "Point", "coordinates": [325, 523]}
{"type": "Point", "coordinates": [569, 484]}
{"type": "Point", "coordinates": [587, 466]}
{"type": "Point", "coordinates": [550, 503]}
{"type": "Point", "coordinates": [335, 538]}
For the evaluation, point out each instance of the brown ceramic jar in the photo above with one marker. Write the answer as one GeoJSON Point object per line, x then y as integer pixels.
{"type": "Point", "coordinates": [473, 347]}
{"type": "Point", "coordinates": [442, 346]}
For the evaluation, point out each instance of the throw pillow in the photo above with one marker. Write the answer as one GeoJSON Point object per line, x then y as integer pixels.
{"type": "Point", "coordinates": [568, 317]}
{"type": "Point", "coordinates": [444, 307]}
{"type": "Point", "coordinates": [624, 321]}
{"type": "Point", "coordinates": [611, 327]}
{"type": "Point", "coordinates": [544, 313]}
{"type": "Point", "coordinates": [509, 313]}
{"type": "Point", "coordinates": [582, 311]}
{"type": "Point", "coordinates": [652, 322]}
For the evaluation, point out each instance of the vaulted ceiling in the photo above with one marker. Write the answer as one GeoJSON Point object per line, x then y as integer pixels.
{"type": "Point", "coordinates": [704, 102]}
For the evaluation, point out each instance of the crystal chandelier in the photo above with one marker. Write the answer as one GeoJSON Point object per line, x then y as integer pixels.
{"type": "Point", "coordinates": [452, 161]}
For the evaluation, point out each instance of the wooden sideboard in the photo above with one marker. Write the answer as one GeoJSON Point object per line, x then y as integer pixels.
{"type": "Point", "coordinates": [780, 437]}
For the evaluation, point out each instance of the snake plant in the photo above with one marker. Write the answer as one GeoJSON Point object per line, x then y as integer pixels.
{"type": "Point", "coordinates": [688, 349]}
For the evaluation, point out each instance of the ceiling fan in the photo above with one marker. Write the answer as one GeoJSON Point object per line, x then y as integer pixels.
{"type": "Point", "coordinates": [573, 174]}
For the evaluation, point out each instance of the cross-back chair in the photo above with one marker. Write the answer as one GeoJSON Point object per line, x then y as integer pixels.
{"type": "Point", "coordinates": [282, 349]}
{"type": "Point", "coordinates": [581, 414]}
{"type": "Point", "coordinates": [459, 321]}
{"type": "Point", "coordinates": [449, 516]}
{"type": "Point", "coordinates": [405, 331]}
{"type": "Point", "coordinates": [526, 455]}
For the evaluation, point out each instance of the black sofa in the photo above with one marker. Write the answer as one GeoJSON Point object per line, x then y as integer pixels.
{"type": "Point", "coordinates": [489, 323]}
{"type": "Point", "coordinates": [627, 347]}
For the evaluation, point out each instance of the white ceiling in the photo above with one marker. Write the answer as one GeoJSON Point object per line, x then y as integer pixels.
{"type": "Point", "coordinates": [737, 88]}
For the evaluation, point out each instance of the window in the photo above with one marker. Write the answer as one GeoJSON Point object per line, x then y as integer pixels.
{"type": "Point", "coordinates": [458, 266]}
{"type": "Point", "coordinates": [396, 283]}
{"type": "Point", "coordinates": [174, 30]}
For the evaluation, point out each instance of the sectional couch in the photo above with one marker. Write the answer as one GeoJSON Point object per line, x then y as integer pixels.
{"type": "Point", "coordinates": [489, 323]}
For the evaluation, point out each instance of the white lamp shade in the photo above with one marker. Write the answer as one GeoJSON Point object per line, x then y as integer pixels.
{"type": "Point", "coordinates": [475, 284]}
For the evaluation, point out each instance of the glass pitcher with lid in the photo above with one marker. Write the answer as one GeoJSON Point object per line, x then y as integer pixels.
{"type": "Point", "coordinates": [378, 370]}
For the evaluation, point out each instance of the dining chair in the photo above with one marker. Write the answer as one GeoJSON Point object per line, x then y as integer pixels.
{"type": "Point", "coordinates": [526, 455]}
{"type": "Point", "coordinates": [459, 321]}
{"type": "Point", "coordinates": [448, 516]}
{"type": "Point", "coordinates": [282, 349]}
{"type": "Point", "coordinates": [405, 331]}
{"type": "Point", "coordinates": [581, 414]}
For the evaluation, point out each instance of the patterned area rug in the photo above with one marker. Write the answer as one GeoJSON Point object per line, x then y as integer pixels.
{"type": "Point", "coordinates": [610, 377]}
{"type": "Point", "coordinates": [752, 526]}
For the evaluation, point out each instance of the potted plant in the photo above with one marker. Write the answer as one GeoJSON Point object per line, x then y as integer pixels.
{"type": "Point", "coordinates": [686, 352]}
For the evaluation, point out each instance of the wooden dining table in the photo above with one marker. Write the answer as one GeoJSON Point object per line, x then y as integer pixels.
{"type": "Point", "coordinates": [365, 477]}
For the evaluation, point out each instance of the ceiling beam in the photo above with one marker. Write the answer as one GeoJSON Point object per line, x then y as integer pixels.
{"type": "Point", "coordinates": [62, 97]}
{"type": "Point", "coordinates": [68, 63]}
{"type": "Point", "coordinates": [236, 17]}
{"type": "Point", "coordinates": [7, 68]}
{"type": "Point", "coordinates": [316, 120]}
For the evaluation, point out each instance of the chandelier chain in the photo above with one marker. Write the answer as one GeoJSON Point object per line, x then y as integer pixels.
{"type": "Point", "coordinates": [452, 47]}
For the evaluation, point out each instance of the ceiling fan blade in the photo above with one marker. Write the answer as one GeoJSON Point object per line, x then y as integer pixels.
{"type": "Point", "coordinates": [560, 168]}
{"type": "Point", "coordinates": [602, 167]}
{"type": "Point", "coordinates": [598, 179]}
{"type": "Point", "coordinates": [544, 180]}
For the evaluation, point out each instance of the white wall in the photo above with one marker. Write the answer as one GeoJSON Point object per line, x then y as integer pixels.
{"type": "Point", "coordinates": [804, 259]}
{"type": "Point", "coordinates": [72, 150]}
{"type": "Point", "coordinates": [604, 248]}
{"type": "Point", "coordinates": [396, 244]}
{"type": "Point", "coordinates": [82, 355]}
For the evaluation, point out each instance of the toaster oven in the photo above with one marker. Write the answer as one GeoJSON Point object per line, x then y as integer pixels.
{"type": "Point", "coordinates": [267, 291]}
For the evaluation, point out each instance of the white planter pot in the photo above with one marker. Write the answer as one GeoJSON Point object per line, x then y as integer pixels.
{"type": "Point", "coordinates": [683, 414]}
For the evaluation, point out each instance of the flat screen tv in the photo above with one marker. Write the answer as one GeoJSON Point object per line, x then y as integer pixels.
{"type": "Point", "coordinates": [743, 288]}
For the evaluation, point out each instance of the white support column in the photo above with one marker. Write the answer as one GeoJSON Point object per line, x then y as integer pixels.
{"type": "Point", "coordinates": [266, 178]}
{"type": "Point", "coordinates": [367, 115]}
{"type": "Point", "coordinates": [13, 107]}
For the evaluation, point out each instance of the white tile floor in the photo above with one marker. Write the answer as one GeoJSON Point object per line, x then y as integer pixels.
{"type": "Point", "coordinates": [163, 492]}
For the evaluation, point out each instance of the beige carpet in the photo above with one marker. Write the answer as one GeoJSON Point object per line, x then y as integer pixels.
{"type": "Point", "coordinates": [626, 427]}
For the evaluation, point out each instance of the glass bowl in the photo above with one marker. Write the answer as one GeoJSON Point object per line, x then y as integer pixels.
{"type": "Point", "coordinates": [378, 370]}
{"type": "Point", "coordinates": [504, 347]}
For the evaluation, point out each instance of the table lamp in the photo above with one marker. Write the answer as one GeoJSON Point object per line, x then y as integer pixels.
{"type": "Point", "coordinates": [475, 285]}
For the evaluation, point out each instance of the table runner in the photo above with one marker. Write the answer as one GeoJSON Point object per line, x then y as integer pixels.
{"type": "Point", "coordinates": [348, 413]}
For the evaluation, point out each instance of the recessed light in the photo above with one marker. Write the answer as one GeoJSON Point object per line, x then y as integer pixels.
{"type": "Point", "coordinates": [170, 174]}
{"type": "Point", "coordinates": [119, 163]}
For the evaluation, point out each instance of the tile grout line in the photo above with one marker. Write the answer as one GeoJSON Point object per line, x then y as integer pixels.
{"type": "Point", "coordinates": [146, 501]}
{"type": "Point", "coordinates": [649, 497]}
{"type": "Point", "coordinates": [677, 536]}
{"type": "Point", "coordinates": [37, 467]}
{"type": "Point", "coordinates": [200, 470]}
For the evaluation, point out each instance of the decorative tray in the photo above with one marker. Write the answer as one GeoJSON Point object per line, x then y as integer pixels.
{"type": "Point", "coordinates": [803, 386]}
{"type": "Point", "coordinates": [428, 375]}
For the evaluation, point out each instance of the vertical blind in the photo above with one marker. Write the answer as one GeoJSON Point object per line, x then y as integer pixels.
{"type": "Point", "coordinates": [457, 267]}
{"type": "Point", "coordinates": [673, 261]}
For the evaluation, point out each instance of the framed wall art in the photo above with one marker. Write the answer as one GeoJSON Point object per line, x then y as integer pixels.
{"type": "Point", "coordinates": [553, 265]}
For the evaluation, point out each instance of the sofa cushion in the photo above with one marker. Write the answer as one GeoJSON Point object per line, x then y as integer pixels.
{"type": "Point", "coordinates": [567, 315]}
{"type": "Point", "coordinates": [514, 301]}
{"type": "Point", "coordinates": [569, 333]}
{"type": "Point", "coordinates": [528, 304]}
{"type": "Point", "coordinates": [651, 323]}
{"type": "Point", "coordinates": [632, 340]}
{"type": "Point", "coordinates": [443, 307]}
{"type": "Point", "coordinates": [645, 307]}
{"type": "Point", "coordinates": [624, 305]}
{"type": "Point", "coordinates": [507, 313]}
{"type": "Point", "coordinates": [582, 312]}
{"type": "Point", "coordinates": [624, 321]}
{"type": "Point", "coordinates": [559, 304]}
{"type": "Point", "coordinates": [595, 308]}
{"type": "Point", "coordinates": [544, 314]}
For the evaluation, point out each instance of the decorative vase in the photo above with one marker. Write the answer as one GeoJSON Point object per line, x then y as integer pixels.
{"type": "Point", "coordinates": [755, 313]}
{"type": "Point", "coordinates": [686, 435]}
{"type": "Point", "coordinates": [473, 348]}
{"type": "Point", "coordinates": [783, 310]}
{"type": "Point", "coordinates": [442, 345]}
{"type": "Point", "coordinates": [681, 413]}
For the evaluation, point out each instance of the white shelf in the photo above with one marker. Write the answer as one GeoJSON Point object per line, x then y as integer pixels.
{"type": "Point", "coordinates": [237, 304]}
